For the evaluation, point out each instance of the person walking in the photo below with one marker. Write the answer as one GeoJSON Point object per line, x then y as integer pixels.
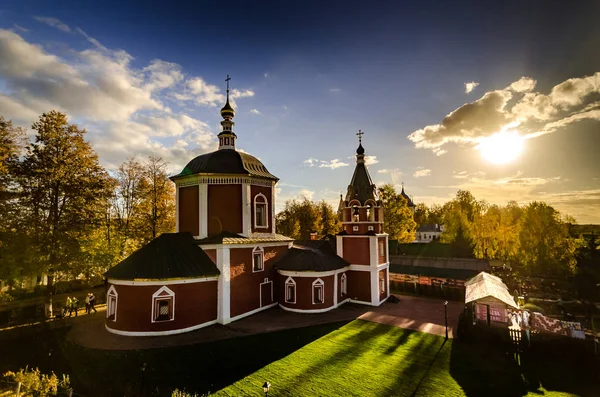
{"type": "Point", "coordinates": [92, 303]}
{"type": "Point", "coordinates": [87, 303]}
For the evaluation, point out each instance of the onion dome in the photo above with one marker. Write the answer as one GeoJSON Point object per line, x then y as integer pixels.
{"type": "Point", "coordinates": [227, 111]}
{"type": "Point", "coordinates": [360, 149]}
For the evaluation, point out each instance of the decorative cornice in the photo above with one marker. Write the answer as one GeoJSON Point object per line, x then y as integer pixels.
{"type": "Point", "coordinates": [220, 179]}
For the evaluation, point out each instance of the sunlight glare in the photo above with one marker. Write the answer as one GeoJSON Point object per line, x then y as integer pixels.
{"type": "Point", "coordinates": [502, 147]}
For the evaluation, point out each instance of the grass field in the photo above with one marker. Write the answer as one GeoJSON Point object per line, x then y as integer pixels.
{"type": "Point", "coordinates": [344, 359]}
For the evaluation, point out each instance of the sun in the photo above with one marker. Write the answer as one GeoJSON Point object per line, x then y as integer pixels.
{"type": "Point", "coordinates": [502, 147]}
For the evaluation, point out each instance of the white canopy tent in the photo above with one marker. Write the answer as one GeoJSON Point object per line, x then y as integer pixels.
{"type": "Point", "coordinates": [490, 296]}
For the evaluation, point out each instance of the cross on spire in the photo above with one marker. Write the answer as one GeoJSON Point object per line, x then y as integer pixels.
{"type": "Point", "coordinates": [360, 134]}
{"type": "Point", "coordinates": [227, 80]}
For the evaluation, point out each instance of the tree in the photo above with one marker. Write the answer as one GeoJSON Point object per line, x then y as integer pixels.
{"type": "Point", "coordinates": [157, 206]}
{"type": "Point", "coordinates": [63, 186]}
{"type": "Point", "coordinates": [545, 244]}
{"type": "Point", "coordinates": [398, 218]}
{"type": "Point", "coordinates": [302, 217]}
{"type": "Point", "coordinates": [12, 237]}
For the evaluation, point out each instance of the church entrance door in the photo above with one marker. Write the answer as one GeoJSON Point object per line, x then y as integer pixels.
{"type": "Point", "coordinates": [266, 293]}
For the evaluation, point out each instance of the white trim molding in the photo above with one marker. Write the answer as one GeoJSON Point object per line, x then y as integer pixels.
{"type": "Point", "coordinates": [112, 293]}
{"type": "Point", "coordinates": [168, 295]}
{"type": "Point", "coordinates": [316, 285]}
{"type": "Point", "coordinates": [289, 309]}
{"type": "Point", "coordinates": [142, 282]}
{"type": "Point", "coordinates": [344, 284]}
{"type": "Point", "coordinates": [251, 312]}
{"type": "Point", "coordinates": [224, 286]}
{"type": "Point", "coordinates": [265, 203]}
{"type": "Point", "coordinates": [176, 208]}
{"type": "Point", "coordinates": [258, 250]}
{"type": "Point", "coordinates": [159, 333]}
{"type": "Point", "coordinates": [246, 210]}
{"type": "Point", "coordinates": [203, 210]}
{"type": "Point", "coordinates": [339, 245]}
{"type": "Point", "coordinates": [249, 245]}
{"type": "Point", "coordinates": [313, 274]}
{"type": "Point", "coordinates": [290, 282]}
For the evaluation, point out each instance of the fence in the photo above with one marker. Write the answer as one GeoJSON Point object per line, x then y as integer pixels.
{"type": "Point", "coordinates": [435, 291]}
{"type": "Point", "coordinates": [35, 312]}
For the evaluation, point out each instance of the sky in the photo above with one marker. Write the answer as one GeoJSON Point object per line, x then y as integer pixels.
{"type": "Point", "coordinates": [499, 99]}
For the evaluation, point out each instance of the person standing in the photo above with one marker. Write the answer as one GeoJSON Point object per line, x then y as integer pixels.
{"type": "Point", "coordinates": [92, 303]}
{"type": "Point", "coordinates": [69, 305]}
{"type": "Point", "coordinates": [75, 302]}
{"type": "Point", "coordinates": [87, 303]}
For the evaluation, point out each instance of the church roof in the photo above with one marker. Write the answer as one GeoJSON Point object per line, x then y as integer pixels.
{"type": "Point", "coordinates": [409, 201]}
{"type": "Point", "coordinates": [226, 161]}
{"type": "Point", "coordinates": [361, 186]}
{"type": "Point", "coordinates": [169, 256]}
{"type": "Point", "coordinates": [311, 256]}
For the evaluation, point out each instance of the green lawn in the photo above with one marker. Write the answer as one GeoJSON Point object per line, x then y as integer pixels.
{"type": "Point", "coordinates": [343, 359]}
{"type": "Point", "coordinates": [369, 359]}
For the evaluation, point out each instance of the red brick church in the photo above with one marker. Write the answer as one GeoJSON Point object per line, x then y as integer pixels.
{"type": "Point", "coordinates": [226, 260]}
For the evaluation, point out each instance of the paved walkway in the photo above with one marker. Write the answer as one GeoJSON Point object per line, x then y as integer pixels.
{"type": "Point", "coordinates": [420, 314]}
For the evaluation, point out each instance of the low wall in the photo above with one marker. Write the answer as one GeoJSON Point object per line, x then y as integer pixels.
{"type": "Point", "coordinates": [447, 263]}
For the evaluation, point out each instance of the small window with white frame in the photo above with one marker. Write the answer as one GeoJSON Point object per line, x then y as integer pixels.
{"type": "Point", "coordinates": [260, 211]}
{"type": "Point", "coordinates": [382, 284]}
{"type": "Point", "coordinates": [355, 228]}
{"type": "Point", "coordinates": [163, 305]}
{"type": "Point", "coordinates": [258, 256]}
{"type": "Point", "coordinates": [318, 291]}
{"type": "Point", "coordinates": [370, 228]}
{"type": "Point", "coordinates": [344, 284]}
{"type": "Point", "coordinates": [290, 290]}
{"type": "Point", "coordinates": [112, 298]}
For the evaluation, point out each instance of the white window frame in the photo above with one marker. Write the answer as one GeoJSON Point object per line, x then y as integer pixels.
{"type": "Point", "coordinates": [156, 297]}
{"type": "Point", "coordinates": [381, 248]}
{"type": "Point", "coordinates": [344, 284]}
{"type": "Point", "coordinates": [355, 228]}
{"type": "Point", "coordinates": [370, 228]}
{"type": "Point", "coordinates": [266, 204]}
{"type": "Point", "coordinates": [382, 284]}
{"type": "Point", "coordinates": [112, 293]}
{"type": "Point", "coordinates": [290, 282]}
{"type": "Point", "coordinates": [318, 283]}
{"type": "Point", "coordinates": [261, 251]}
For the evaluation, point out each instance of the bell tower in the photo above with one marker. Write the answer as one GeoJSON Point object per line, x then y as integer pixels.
{"type": "Point", "coordinates": [227, 137]}
{"type": "Point", "coordinates": [362, 242]}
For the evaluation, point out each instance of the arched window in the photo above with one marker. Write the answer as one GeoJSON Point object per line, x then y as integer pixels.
{"type": "Point", "coordinates": [344, 284]}
{"type": "Point", "coordinates": [163, 305]}
{"type": "Point", "coordinates": [290, 290]}
{"type": "Point", "coordinates": [258, 255]}
{"type": "Point", "coordinates": [318, 291]}
{"type": "Point", "coordinates": [355, 213]}
{"type": "Point", "coordinates": [112, 299]}
{"type": "Point", "coordinates": [260, 211]}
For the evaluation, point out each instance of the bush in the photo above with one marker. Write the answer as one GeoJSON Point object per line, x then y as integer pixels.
{"type": "Point", "coordinates": [532, 307]}
{"type": "Point", "coordinates": [37, 384]}
{"type": "Point", "coordinates": [183, 393]}
{"type": "Point", "coordinates": [5, 298]}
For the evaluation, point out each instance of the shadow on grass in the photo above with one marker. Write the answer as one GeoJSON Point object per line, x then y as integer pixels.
{"type": "Point", "coordinates": [484, 368]}
{"type": "Point", "coordinates": [199, 368]}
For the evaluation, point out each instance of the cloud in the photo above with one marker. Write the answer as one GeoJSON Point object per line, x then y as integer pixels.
{"type": "Point", "coordinates": [256, 111]}
{"type": "Point", "coordinates": [124, 108]}
{"type": "Point", "coordinates": [422, 172]}
{"type": "Point", "coordinates": [517, 105]}
{"type": "Point", "coordinates": [524, 84]}
{"type": "Point", "coordinates": [311, 162]}
{"type": "Point", "coordinates": [384, 171]}
{"type": "Point", "coordinates": [465, 124]}
{"type": "Point", "coordinates": [20, 28]}
{"type": "Point", "coordinates": [334, 90]}
{"type": "Point", "coordinates": [333, 164]}
{"type": "Point", "coordinates": [470, 86]}
{"type": "Point", "coordinates": [370, 160]}
{"type": "Point", "coordinates": [460, 175]}
{"type": "Point", "coordinates": [307, 193]}
{"type": "Point", "coordinates": [55, 23]}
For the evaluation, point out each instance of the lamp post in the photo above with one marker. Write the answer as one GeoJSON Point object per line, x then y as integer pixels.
{"type": "Point", "coordinates": [266, 387]}
{"type": "Point", "coordinates": [446, 317]}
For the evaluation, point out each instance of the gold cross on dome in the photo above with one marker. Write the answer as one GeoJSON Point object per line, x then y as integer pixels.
{"type": "Point", "coordinates": [227, 80]}
{"type": "Point", "coordinates": [360, 134]}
